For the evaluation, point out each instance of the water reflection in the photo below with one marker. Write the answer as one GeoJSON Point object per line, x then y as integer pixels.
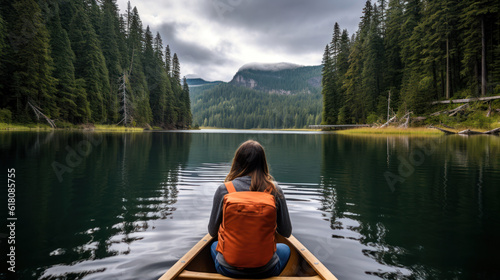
{"type": "Point", "coordinates": [420, 229]}
{"type": "Point", "coordinates": [112, 193]}
{"type": "Point", "coordinates": [133, 204]}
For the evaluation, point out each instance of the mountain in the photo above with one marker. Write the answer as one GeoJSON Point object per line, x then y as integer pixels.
{"type": "Point", "coordinates": [279, 95]}
{"type": "Point", "coordinates": [195, 81]}
{"type": "Point", "coordinates": [280, 78]}
{"type": "Point", "coordinates": [229, 106]}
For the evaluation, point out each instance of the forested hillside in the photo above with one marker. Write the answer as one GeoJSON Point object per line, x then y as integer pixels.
{"type": "Point", "coordinates": [229, 106]}
{"type": "Point", "coordinates": [81, 61]}
{"type": "Point", "coordinates": [416, 50]}
{"type": "Point", "coordinates": [282, 78]}
{"type": "Point", "coordinates": [195, 82]}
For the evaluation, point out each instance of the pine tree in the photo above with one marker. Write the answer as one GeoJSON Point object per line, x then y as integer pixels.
{"type": "Point", "coordinates": [392, 46]}
{"type": "Point", "coordinates": [158, 48]}
{"type": "Point", "coordinates": [141, 109]}
{"type": "Point", "coordinates": [109, 44]}
{"type": "Point", "coordinates": [64, 71]}
{"type": "Point", "coordinates": [475, 19]}
{"type": "Point", "coordinates": [335, 43]}
{"type": "Point", "coordinates": [178, 116]}
{"type": "Point", "coordinates": [176, 70]}
{"type": "Point", "coordinates": [32, 83]}
{"type": "Point", "coordinates": [329, 88]}
{"type": "Point", "coordinates": [3, 46]}
{"type": "Point", "coordinates": [94, 14]}
{"type": "Point", "coordinates": [168, 61]}
{"type": "Point", "coordinates": [155, 76]}
{"type": "Point", "coordinates": [373, 58]}
{"type": "Point", "coordinates": [90, 65]}
{"type": "Point", "coordinates": [186, 102]}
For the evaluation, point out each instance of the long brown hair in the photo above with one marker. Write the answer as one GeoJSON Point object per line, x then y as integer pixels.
{"type": "Point", "coordinates": [250, 159]}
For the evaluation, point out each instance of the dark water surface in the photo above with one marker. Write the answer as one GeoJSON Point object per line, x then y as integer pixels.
{"type": "Point", "coordinates": [127, 206]}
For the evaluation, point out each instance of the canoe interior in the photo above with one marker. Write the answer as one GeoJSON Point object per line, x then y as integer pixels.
{"type": "Point", "coordinates": [296, 267]}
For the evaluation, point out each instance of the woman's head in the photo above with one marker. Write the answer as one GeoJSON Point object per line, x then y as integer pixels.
{"type": "Point", "coordinates": [250, 160]}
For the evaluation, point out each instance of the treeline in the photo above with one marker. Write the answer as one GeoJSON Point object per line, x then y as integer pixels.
{"type": "Point", "coordinates": [81, 61]}
{"type": "Point", "coordinates": [229, 106]}
{"type": "Point", "coordinates": [301, 79]}
{"type": "Point", "coordinates": [416, 51]}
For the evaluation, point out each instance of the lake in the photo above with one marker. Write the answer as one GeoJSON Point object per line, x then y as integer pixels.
{"type": "Point", "coordinates": [129, 205]}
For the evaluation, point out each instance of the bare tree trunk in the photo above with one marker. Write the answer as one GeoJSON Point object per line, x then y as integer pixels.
{"type": "Point", "coordinates": [483, 59]}
{"type": "Point", "coordinates": [447, 69]}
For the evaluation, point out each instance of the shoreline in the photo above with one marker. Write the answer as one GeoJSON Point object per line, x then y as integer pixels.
{"type": "Point", "coordinates": [389, 131]}
{"type": "Point", "coordinates": [90, 128]}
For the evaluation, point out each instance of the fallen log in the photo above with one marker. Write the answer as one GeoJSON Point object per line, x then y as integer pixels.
{"type": "Point", "coordinates": [466, 100]}
{"type": "Point", "coordinates": [38, 113]}
{"type": "Point", "coordinates": [488, 114]}
{"type": "Point", "coordinates": [458, 109]}
{"type": "Point", "coordinates": [442, 124]}
{"type": "Point", "coordinates": [493, 131]}
{"type": "Point", "coordinates": [388, 122]}
{"type": "Point", "coordinates": [469, 132]}
{"type": "Point", "coordinates": [443, 130]}
{"type": "Point", "coordinates": [439, 113]}
{"type": "Point", "coordinates": [407, 117]}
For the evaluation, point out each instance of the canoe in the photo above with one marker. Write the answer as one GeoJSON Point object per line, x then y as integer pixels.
{"type": "Point", "coordinates": [198, 264]}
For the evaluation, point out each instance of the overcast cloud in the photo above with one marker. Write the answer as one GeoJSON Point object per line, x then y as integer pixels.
{"type": "Point", "coordinates": [213, 38]}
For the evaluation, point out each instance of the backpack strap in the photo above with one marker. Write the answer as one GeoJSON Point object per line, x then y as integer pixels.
{"type": "Point", "coordinates": [230, 187]}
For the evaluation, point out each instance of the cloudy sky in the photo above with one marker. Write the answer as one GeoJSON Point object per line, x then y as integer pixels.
{"type": "Point", "coordinates": [214, 38]}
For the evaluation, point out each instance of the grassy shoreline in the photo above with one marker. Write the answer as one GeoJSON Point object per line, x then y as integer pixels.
{"type": "Point", "coordinates": [44, 127]}
{"type": "Point", "coordinates": [414, 131]}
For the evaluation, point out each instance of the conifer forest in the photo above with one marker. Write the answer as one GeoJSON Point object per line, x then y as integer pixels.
{"type": "Point", "coordinates": [82, 61]}
{"type": "Point", "coordinates": [413, 52]}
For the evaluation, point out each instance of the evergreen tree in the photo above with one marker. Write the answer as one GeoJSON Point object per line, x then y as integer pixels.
{"type": "Point", "coordinates": [3, 46]}
{"type": "Point", "coordinates": [70, 60]}
{"type": "Point", "coordinates": [329, 88]}
{"type": "Point", "coordinates": [141, 109]}
{"type": "Point", "coordinates": [94, 14]}
{"type": "Point", "coordinates": [176, 70]}
{"type": "Point", "coordinates": [158, 48]}
{"type": "Point", "coordinates": [186, 103]}
{"type": "Point", "coordinates": [335, 44]}
{"type": "Point", "coordinates": [74, 108]}
{"type": "Point", "coordinates": [392, 45]}
{"type": "Point", "coordinates": [30, 63]}
{"type": "Point", "coordinates": [109, 44]}
{"type": "Point", "coordinates": [178, 116]}
{"type": "Point", "coordinates": [168, 61]}
{"type": "Point", "coordinates": [157, 79]}
{"type": "Point", "coordinates": [373, 61]}
{"type": "Point", "coordinates": [476, 17]}
{"type": "Point", "coordinates": [90, 65]}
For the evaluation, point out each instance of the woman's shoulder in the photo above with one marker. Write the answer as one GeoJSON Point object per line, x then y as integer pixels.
{"type": "Point", "coordinates": [279, 190]}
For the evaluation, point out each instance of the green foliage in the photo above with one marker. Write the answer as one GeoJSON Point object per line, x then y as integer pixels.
{"type": "Point", "coordinates": [30, 63]}
{"type": "Point", "coordinates": [417, 50]}
{"type": "Point", "coordinates": [64, 70]}
{"type": "Point", "coordinates": [71, 60]}
{"type": "Point", "coordinates": [90, 65]}
{"type": "Point", "coordinates": [5, 116]}
{"type": "Point", "coordinates": [228, 106]}
{"type": "Point", "coordinates": [301, 79]}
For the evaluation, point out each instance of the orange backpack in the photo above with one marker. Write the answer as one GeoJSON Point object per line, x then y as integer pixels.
{"type": "Point", "coordinates": [246, 234]}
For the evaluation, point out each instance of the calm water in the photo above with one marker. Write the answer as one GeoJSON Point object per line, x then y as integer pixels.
{"type": "Point", "coordinates": [129, 205]}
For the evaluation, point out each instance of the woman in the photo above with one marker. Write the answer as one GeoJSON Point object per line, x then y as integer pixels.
{"type": "Point", "coordinates": [244, 220]}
